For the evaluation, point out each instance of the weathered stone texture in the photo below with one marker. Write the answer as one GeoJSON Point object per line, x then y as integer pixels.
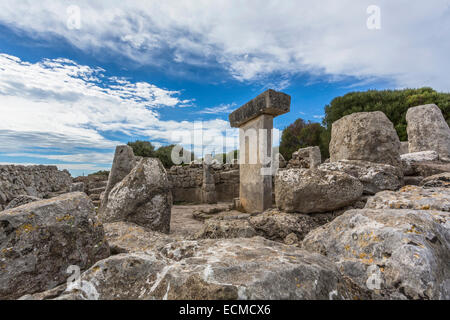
{"type": "Point", "coordinates": [270, 102]}
{"type": "Point", "coordinates": [423, 163]}
{"type": "Point", "coordinates": [404, 148]}
{"type": "Point", "coordinates": [143, 197]}
{"type": "Point", "coordinates": [396, 254]}
{"type": "Point", "coordinates": [41, 239]}
{"type": "Point", "coordinates": [255, 176]}
{"type": "Point", "coordinates": [375, 177]}
{"type": "Point", "coordinates": [208, 185]}
{"type": "Point", "coordinates": [308, 158]}
{"type": "Point", "coordinates": [309, 191]}
{"type": "Point", "coordinates": [367, 136]}
{"type": "Point", "coordinates": [441, 180]}
{"type": "Point", "coordinates": [20, 201]}
{"type": "Point", "coordinates": [187, 182]}
{"type": "Point", "coordinates": [252, 268]}
{"type": "Point", "coordinates": [412, 197]}
{"type": "Point", "coordinates": [38, 181]}
{"type": "Point", "coordinates": [428, 130]}
{"type": "Point", "coordinates": [124, 161]}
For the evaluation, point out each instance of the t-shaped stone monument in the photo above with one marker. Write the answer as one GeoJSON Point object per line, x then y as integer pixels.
{"type": "Point", "coordinates": [255, 122]}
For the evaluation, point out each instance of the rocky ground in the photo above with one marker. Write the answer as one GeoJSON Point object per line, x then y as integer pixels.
{"type": "Point", "coordinates": [370, 224]}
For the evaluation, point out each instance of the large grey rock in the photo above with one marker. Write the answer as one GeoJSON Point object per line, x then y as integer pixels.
{"type": "Point", "coordinates": [428, 130]}
{"type": "Point", "coordinates": [397, 254]}
{"type": "Point", "coordinates": [124, 161]}
{"type": "Point", "coordinates": [277, 226]}
{"type": "Point", "coordinates": [308, 157]}
{"type": "Point", "coordinates": [37, 181]}
{"type": "Point", "coordinates": [41, 239]}
{"type": "Point", "coordinates": [368, 136]}
{"type": "Point", "coordinates": [226, 229]}
{"type": "Point", "coordinates": [142, 197]}
{"type": "Point", "coordinates": [308, 191]}
{"type": "Point", "coordinates": [269, 102]}
{"type": "Point", "coordinates": [127, 237]}
{"type": "Point", "coordinates": [375, 177]}
{"type": "Point", "coordinates": [412, 197]}
{"type": "Point", "coordinates": [208, 185]}
{"type": "Point", "coordinates": [77, 187]}
{"type": "Point", "coordinates": [252, 268]}
{"type": "Point", "coordinates": [404, 148]}
{"type": "Point", "coordinates": [424, 163]}
{"type": "Point", "coordinates": [441, 180]}
{"type": "Point", "coordinates": [20, 201]}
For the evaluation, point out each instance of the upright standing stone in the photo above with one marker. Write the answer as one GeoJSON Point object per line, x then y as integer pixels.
{"type": "Point", "coordinates": [367, 136]}
{"type": "Point", "coordinates": [255, 122]}
{"type": "Point", "coordinates": [208, 185]}
{"type": "Point", "coordinates": [124, 161]}
{"type": "Point", "coordinates": [427, 130]}
{"type": "Point", "coordinates": [143, 197]}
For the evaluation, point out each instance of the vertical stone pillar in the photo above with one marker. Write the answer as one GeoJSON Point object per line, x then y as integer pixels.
{"type": "Point", "coordinates": [255, 123]}
{"type": "Point", "coordinates": [208, 185]}
{"type": "Point", "coordinates": [124, 161]}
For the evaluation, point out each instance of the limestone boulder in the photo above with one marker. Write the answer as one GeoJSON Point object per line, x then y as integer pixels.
{"type": "Point", "coordinates": [37, 181]}
{"type": "Point", "coordinates": [77, 187]}
{"type": "Point", "coordinates": [281, 161]}
{"type": "Point", "coordinates": [412, 197]}
{"type": "Point", "coordinates": [127, 237]}
{"type": "Point", "coordinates": [424, 163]}
{"type": "Point", "coordinates": [308, 158]}
{"type": "Point", "coordinates": [309, 191]}
{"type": "Point", "coordinates": [411, 160]}
{"type": "Point", "coordinates": [277, 226]}
{"type": "Point", "coordinates": [143, 197]}
{"type": "Point", "coordinates": [226, 229]}
{"type": "Point", "coordinates": [404, 148]}
{"type": "Point", "coordinates": [367, 136]}
{"type": "Point", "coordinates": [272, 224]}
{"type": "Point", "coordinates": [251, 268]}
{"type": "Point", "coordinates": [375, 177]}
{"type": "Point", "coordinates": [441, 180]}
{"type": "Point", "coordinates": [41, 239]}
{"type": "Point", "coordinates": [20, 201]}
{"type": "Point", "coordinates": [428, 130]}
{"type": "Point", "coordinates": [396, 254]}
{"type": "Point", "coordinates": [123, 162]}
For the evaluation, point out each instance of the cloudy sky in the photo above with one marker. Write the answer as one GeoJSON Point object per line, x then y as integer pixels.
{"type": "Point", "coordinates": [79, 77]}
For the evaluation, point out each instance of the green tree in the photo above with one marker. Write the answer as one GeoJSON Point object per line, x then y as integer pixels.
{"type": "Point", "coordinates": [301, 134]}
{"type": "Point", "coordinates": [142, 148]}
{"type": "Point", "coordinates": [164, 154]}
{"type": "Point", "coordinates": [394, 103]}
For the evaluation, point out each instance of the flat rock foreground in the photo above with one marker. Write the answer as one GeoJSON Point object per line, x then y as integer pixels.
{"type": "Point", "coordinates": [370, 223]}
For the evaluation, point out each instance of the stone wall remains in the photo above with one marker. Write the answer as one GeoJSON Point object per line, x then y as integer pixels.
{"type": "Point", "coordinates": [187, 182]}
{"type": "Point", "coordinates": [38, 181]}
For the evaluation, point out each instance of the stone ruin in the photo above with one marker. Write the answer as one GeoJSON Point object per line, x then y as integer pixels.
{"type": "Point", "coordinates": [370, 223]}
{"type": "Point", "coordinates": [255, 122]}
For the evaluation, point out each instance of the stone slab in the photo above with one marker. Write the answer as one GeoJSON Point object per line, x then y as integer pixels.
{"type": "Point", "coordinates": [270, 102]}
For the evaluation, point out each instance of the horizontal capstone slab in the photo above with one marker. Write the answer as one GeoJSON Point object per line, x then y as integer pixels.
{"type": "Point", "coordinates": [269, 102]}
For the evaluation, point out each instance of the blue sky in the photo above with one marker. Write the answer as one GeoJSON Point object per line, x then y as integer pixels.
{"type": "Point", "coordinates": [77, 80]}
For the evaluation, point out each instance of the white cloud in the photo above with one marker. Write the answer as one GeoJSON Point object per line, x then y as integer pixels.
{"type": "Point", "coordinates": [223, 108]}
{"type": "Point", "coordinates": [252, 39]}
{"type": "Point", "coordinates": [92, 157]}
{"type": "Point", "coordinates": [59, 110]}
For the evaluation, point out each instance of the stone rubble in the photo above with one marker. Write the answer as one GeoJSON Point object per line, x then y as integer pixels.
{"type": "Point", "coordinates": [368, 223]}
